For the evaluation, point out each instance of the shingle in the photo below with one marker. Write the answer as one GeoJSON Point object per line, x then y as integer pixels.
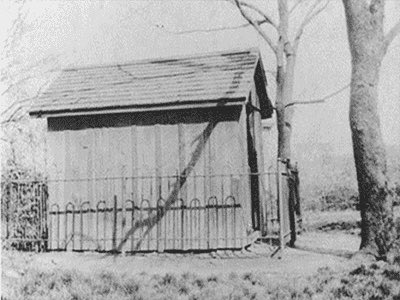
{"type": "Point", "coordinates": [196, 78]}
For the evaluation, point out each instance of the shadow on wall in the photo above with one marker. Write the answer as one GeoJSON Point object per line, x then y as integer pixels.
{"type": "Point", "coordinates": [152, 220]}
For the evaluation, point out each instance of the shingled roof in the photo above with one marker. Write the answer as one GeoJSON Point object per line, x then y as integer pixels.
{"type": "Point", "coordinates": [208, 78]}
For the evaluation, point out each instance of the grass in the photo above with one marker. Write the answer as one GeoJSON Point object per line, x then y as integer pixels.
{"type": "Point", "coordinates": [374, 281]}
{"type": "Point", "coordinates": [346, 221]}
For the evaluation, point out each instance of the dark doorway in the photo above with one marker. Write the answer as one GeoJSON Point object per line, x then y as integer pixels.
{"type": "Point", "coordinates": [253, 164]}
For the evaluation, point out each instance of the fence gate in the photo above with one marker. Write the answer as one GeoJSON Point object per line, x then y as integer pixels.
{"type": "Point", "coordinates": [24, 215]}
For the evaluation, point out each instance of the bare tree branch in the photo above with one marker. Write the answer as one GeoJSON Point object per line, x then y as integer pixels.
{"type": "Point", "coordinates": [391, 35]}
{"type": "Point", "coordinates": [295, 6]}
{"type": "Point", "coordinates": [266, 17]}
{"type": "Point", "coordinates": [310, 15]}
{"type": "Point", "coordinates": [16, 83]}
{"type": "Point", "coordinates": [222, 28]}
{"type": "Point", "coordinates": [16, 107]}
{"type": "Point", "coordinates": [265, 20]}
{"type": "Point", "coordinates": [256, 26]}
{"type": "Point", "coordinates": [17, 28]}
{"type": "Point", "coordinates": [320, 100]}
{"type": "Point", "coordinates": [212, 29]}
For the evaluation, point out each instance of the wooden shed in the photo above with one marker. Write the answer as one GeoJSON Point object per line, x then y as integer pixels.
{"type": "Point", "coordinates": [157, 155]}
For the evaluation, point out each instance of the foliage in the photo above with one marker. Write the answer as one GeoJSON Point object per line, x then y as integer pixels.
{"type": "Point", "coordinates": [23, 149]}
{"type": "Point", "coordinates": [328, 180]}
{"type": "Point", "coordinates": [339, 198]}
{"type": "Point", "coordinates": [388, 240]}
{"type": "Point", "coordinates": [22, 161]}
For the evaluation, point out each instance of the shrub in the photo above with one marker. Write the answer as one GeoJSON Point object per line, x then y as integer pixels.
{"type": "Point", "coordinates": [339, 198]}
{"type": "Point", "coordinates": [328, 180]}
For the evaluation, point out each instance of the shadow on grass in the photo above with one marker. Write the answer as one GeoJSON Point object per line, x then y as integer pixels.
{"type": "Point", "coordinates": [320, 250]}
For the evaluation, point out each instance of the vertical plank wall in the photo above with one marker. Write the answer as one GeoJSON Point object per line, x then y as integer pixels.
{"type": "Point", "coordinates": [138, 158]}
{"type": "Point", "coordinates": [257, 131]}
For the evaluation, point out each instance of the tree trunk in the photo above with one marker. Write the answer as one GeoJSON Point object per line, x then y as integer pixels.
{"type": "Point", "coordinates": [284, 94]}
{"type": "Point", "coordinates": [284, 131]}
{"type": "Point", "coordinates": [366, 40]}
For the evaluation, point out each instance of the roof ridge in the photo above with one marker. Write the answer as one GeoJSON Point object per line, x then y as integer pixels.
{"type": "Point", "coordinates": [255, 50]}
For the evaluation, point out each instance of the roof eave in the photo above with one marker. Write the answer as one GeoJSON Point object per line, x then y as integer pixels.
{"type": "Point", "coordinates": [138, 108]}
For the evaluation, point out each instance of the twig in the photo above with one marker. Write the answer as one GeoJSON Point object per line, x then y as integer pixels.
{"type": "Point", "coordinates": [310, 15]}
{"type": "Point", "coordinates": [222, 28]}
{"type": "Point", "coordinates": [256, 26]}
{"type": "Point", "coordinates": [320, 100]}
{"type": "Point", "coordinates": [266, 17]}
{"type": "Point", "coordinates": [295, 6]}
{"type": "Point", "coordinates": [20, 103]}
{"type": "Point", "coordinates": [391, 35]}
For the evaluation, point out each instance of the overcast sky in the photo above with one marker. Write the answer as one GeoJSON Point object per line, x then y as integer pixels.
{"type": "Point", "coordinates": [100, 32]}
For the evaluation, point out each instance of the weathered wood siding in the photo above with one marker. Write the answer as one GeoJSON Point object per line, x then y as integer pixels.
{"type": "Point", "coordinates": [94, 158]}
{"type": "Point", "coordinates": [255, 157]}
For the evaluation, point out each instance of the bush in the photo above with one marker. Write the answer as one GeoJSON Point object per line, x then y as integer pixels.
{"type": "Point", "coordinates": [339, 198]}
{"type": "Point", "coordinates": [328, 180]}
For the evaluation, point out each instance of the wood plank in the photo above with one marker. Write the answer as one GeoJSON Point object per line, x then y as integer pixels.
{"type": "Point", "coordinates": [169, 166]}
{"type": "Point", "coordinates": [183, 189]}
{"type": "Point", "coordinates": [245, 192]}
{"type": "Point", "coordinates": [135, 167]}
{"type": "Point", "coordinates": [260, 159]}
{"type": "Point", "coordinates": [196, 149]}
{"type": "Point", "coordinates": [170, 157]}
{"type": "Point", "coordinates": [158, 161]}
{"type": "Point", "coordinates": [125, 194]}
{"type": "Point", "coordinates": [146, 162]}
{"type": "Point", "coordinates": [146, 165]}
{"type": "Point", "coordinates": [56, 163]}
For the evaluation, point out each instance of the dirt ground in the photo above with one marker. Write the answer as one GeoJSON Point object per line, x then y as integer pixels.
{"type": "Point", "coordinates": [313, 250]}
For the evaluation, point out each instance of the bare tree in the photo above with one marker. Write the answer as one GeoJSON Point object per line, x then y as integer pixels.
{"type": "Point", "coordinates": [276, 34]}
{"type": "Point", "coordinates": [24, 76]}
{"type": "Point", "coordinates": [368, 45]}
{"type": "Point", "coordinates": [285, 51]}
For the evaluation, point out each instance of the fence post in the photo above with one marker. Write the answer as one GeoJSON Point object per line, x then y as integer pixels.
{"type": "Point", "coordinates": [292, 218]}
{"type": "Point", "coordinates": [183, 206]}
{"type": "Point", "coordinates": [81, 227]}
{"type": "Point", "coordinates": [50, 236]}
{"type": "Point", "coordinates": [114, 231]}
{"type": "Point", "coordinates": [123, 213]}
{"type": "Point", "coordinates": [299, 218]}
{"type": "Point", "coordinates": [280, 205]}
{"type": "Point", "coordinates": [158, 227]}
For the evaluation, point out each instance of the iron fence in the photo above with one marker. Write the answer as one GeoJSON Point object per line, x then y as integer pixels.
{"type": "Point", "coordinates": [143, 227]}
{"type": "Point", "coordinates": [148, 213]}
